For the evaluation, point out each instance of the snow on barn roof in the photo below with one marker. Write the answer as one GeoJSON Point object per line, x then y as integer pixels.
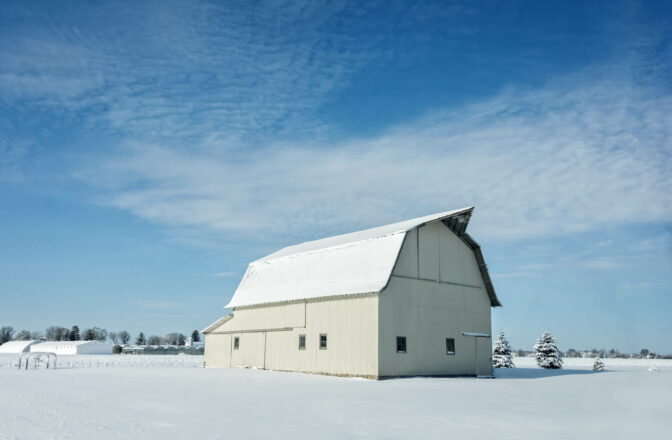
{"type": "Point", "coordinates": [355, 263]}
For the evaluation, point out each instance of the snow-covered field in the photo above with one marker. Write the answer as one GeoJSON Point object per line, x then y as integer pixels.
{"type": "Point", "coordinates": [115, 360]}
{"type": "Point", "coordinates": [165, 401]}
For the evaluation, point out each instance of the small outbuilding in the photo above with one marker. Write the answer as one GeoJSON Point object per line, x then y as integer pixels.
{"type": "Point", "coordinates": [406, 299]}
{"type": "Point", "coordinates": [16, 347]}
{"type": "Point", "coordinates": [73, 347]}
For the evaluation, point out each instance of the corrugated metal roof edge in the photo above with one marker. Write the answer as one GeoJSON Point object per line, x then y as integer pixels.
{"type": "Point", "coordinates": [221, 320]}
{"type": "Point", "coordinates": [466, 238]}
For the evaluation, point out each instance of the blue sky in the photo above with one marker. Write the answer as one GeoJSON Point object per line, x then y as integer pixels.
{"type": "Point", "coordinates": [150, 150]}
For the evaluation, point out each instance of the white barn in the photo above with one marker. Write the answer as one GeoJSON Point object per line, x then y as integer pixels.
{"type": "Point", "coordinates": [410, 298]}
{"type": "Point", "coordinates": [73, 347]}
{"type": "Point", "coordinates": [16, 347]}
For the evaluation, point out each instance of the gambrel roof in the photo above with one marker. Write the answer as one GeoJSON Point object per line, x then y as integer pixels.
{"type": "Point", "coordinates": [350, 264]}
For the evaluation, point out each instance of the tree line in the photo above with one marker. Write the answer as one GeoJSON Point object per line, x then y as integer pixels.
{"type": "Point", "coordinates": [57, 333]}
{"type": "Point", "coordinates": [548, 355]}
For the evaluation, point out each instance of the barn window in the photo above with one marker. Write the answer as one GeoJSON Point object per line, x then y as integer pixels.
{"type": "Point", "coordinates": [401, 344]}
{"type": "Point", "coordinates": [323, 341]}
{"type": "Point", "coordinates": [450, 346]}
{"type": "Point", "coordinates": [302, 342]}
{"type": "Point", "coordinates": [236, 343]}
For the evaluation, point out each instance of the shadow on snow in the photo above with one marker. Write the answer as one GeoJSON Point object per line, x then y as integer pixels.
{"type": "Point", "coordinates": [538, 373]}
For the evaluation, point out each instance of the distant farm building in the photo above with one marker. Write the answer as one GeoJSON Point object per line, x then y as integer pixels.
{"type": "Point", "coordinates": [73, 347]}
{"type": "Point", "coordinates": [162, 349]}
{"type": "Point", "coordinates": [410, 298]}
{"type": "Point", "coordinates": [16, 347]}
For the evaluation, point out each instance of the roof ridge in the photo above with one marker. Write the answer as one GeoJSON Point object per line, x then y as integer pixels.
{"type": "Point", "coordinates": [403, 226]}
{"type": "Point", "coordinates": [326, 248]}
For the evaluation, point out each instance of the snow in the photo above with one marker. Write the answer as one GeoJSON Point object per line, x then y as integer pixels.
{"type": "Point", "coordinates": [16, 346]}
{"type": "Point", "coordinates": [115, 361]}
{"type": "Point", "coordinates": [349, 264]}
{"type": "Point", "coordinates": [170, 402]}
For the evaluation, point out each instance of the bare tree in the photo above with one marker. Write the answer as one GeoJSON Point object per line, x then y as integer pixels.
{"type": "Point", "coordinates": [124, 336]}
{"type": "Point", "coordinates": [114, 337]}
{"type": "Point", "coordinates": [23, 335]}
{"type": "Point", "coordinates": [36, 335]}
{"type": "Point", "coordinates": [6, 334]}
{"type": "Point", "coordinates": [181, 339]}
{"type": "Point", "coordinates": [56, 333]}
{"type": "Point", "coordinates": [171, 338]}
{"type": "Point", "coordinates": [154, 340]}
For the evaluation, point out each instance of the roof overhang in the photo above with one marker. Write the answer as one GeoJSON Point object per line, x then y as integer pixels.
{"type": "Point", "coordinates": [217, 323]}
{"type": "Point", "coordinates": [458, 224]}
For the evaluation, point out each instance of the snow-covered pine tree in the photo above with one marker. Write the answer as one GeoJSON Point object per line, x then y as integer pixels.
{"type": "Point", "coordinates": [141, 339]}
{"type": "Point", "coordinates": [501, 353]}
{"type": "Point", "coordinates": [73, 335]}
{"type": "Point", "coordinates": [598, 365]}
{"type": "Point", "coordinates": [546, 352]}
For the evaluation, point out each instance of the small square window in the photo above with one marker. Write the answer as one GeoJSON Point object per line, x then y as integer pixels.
{"type": "Point", "coordinates": [236, 343]}
{"type": "Point", "coordinates": [323, 341]}
{"type": "Point", "coordinates": [302, 342]}
{"type": "Point", "coordinates": [401, 344]}
{"type": "Point", "coordinates": [450, 346]}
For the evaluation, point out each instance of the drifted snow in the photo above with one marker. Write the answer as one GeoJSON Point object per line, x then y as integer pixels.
{"type": "Point", "coordinates": [349, 264]}
{"type": "Point", "coordinates": [625, 401]}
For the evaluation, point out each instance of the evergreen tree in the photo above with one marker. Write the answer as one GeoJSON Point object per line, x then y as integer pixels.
{"type": "Point", "coordinates": [89, 335]}
{"type": "Point", "coordinates": [195, 336]}
{"type": "Point", "coordinates": [598, 365]}
{"type": "Point", "coordinates": [546, 352]}
{"type": "Point", "coordinates": [181, 340]}
{"type": "Point", "coordinates": [141, 339]}
{"type": "Point", "coordinates": [73, 335]}
{"type": "Point", "coordinates": [501, 353]}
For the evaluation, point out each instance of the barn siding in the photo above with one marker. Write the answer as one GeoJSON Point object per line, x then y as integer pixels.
{"type": "Point", "coordinates": [427, 312]}
{"type": "Point", "coordinates": [351, 325]}
{"type": "Point", "coordinates": [217, 350]}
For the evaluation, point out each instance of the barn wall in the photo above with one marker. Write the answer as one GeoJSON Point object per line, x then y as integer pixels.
{"type": "Point", "coordinates": [350, 323]}
{"type": "Point", "coordinates": [448, 299]}
{"type": "Point", "coordinates": [217, 350]}
{"type": "Point", "coordinates": [265, 317]}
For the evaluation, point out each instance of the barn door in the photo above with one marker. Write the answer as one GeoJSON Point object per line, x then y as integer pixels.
{"type": "Point", "coordinates": [483, 357]}
{"type": "Point", "coordinates": [482, 354]}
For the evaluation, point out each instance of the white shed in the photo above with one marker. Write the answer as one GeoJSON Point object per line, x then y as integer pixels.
{"type": "Point", "coordinates": [73, 347]}
{"type": "Point", "coordinates": [16, 347]}
{"type": "Point", "coordinates": [410, 298]}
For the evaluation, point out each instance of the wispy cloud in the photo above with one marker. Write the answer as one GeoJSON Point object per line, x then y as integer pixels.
{"type": "Point", "coordinates": [601, 263]}
{"type": "Point", "coordinates": [219, 116]}
{"type": "Point", "coordinates": [567, 157]}
{"type": "Point", "coordinates": [229, 73]}
{"type": "Point", "coordinates": [223, 274]}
